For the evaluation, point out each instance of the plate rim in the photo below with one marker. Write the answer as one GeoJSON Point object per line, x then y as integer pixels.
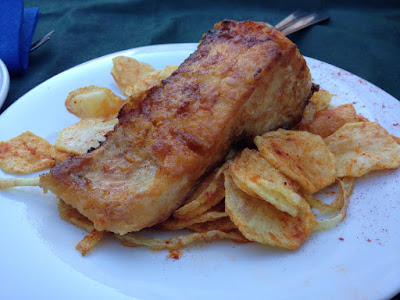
{"type": "Point", "coordinates": [4, 82]}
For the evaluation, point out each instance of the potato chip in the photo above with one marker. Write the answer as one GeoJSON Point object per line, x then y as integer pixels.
{"type": "Point", "coordinates": [321, 99]}
{"type": "Point", "coordinates": [93, 102]}
{"type": "Point", "coordinates": [261, 222]}
{"type": "Point", "coordinates": [300, 155]}
{"type": "Point", "coordinates": [363, 147]}
{"type": "Point", "coordinates": [73, 216]}
{"type": "Point", "coordinates": [87, 133]}
{"type": "Point", "coordinates": [397, 139]}
{"type": "Point", "coordinates": [209, 193]}
{"type": "Point", "coordinates": [28, 153]}
{"type": "Point", "coordinates": [90, 241]}
{"type": "Point", "coordinates": [133, 77]}
{"type": "Point", "coordinates": [318, 102]}
{"type": "Point", "coordinates": [361, 118]}
{"type": "Point", "coordinates": [308, 116]}
{"type": "Point", "coordinates": [166, 72]}
{"type": "Point", "coordinates": [258, 178]}
{"type": "Point", "coordinates": [179, 242]}
{"type": "Point", "coordinates": [326, 122]}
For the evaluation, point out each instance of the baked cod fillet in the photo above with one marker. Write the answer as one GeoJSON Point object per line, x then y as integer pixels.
{"type": "Point", "coordinates": [244, 79]}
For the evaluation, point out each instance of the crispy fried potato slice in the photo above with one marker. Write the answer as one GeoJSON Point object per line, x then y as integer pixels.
{"type": "Point", "coordinates": [73, 216]}
{"type": "Point", "coordinates": [28, 153]}
{"type": "Point", "coordinates": [308, 116]}
{"type": "Point", "coordinates": [397, 139]}
{"type": "Point", "coordinates": [179, 242]}
{"type": "Point", "coordinates": [363, 147]}
{"type": "Point", "coordinates": [300, 155]}
{"type": "Point", "coordinates": [93, 102]}
{"type": "Point", "coordinates": [321, 99]}
{"type": "Point", "coordinates": [166, 72]}
{"type": "Point", "coordinates": [258, 178]}
{"type": "Point", "coordinates": [361, 118]}
{"type": "Point", "coordinates": [130, 75]}
{"type": "Point", "coordinates": [87, 133]}
{"type": "Point", "coordinates": [221, 224]}
{"type": "Point", "coordinates": [326, 122]}
{"type": "Point", "coordinates": [261, 222]}
{"type": "Point", "coordinates": [128, 72]}
{"type": "Point", "coordinates": [134, 77]}
{"type": "Point", "coordinates": [90, 241]}
{"type": "Point", "coordinates": [209, 193]}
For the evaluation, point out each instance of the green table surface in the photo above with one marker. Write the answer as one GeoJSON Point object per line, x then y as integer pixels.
{"type": "Point", "coordinates": [362, 37]}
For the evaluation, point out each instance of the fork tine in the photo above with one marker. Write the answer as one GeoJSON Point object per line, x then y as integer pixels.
{"type": "Point", "coordinates": [290, 19]}
{"type": "Point", "coordinates": [297, 21]}
{"type": "Point", "coordinates": [303, 22]}
{"type": "Point", "coordinates": [40, 42]}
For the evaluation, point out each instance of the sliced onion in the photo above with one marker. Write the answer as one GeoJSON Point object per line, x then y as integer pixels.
{"type": "Point", "coordinates": [90, 241]}
{"type": "Point", "coordinates": [179, 242]}
{"type": "Point", "coordinates": [345, 190]}
{"type": "Point", "coordinates": [7, 183]}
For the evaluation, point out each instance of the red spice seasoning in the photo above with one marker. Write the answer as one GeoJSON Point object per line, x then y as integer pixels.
{"type": "Point", "coordinates": [175, 254]}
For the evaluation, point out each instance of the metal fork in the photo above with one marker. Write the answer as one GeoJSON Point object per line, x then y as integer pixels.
{"type": "Point", "coordinates": [40, 42]}
{"type": "Point", "coordinates": [297, 21]}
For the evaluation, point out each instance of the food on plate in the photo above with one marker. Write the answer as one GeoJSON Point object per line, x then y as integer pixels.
{"type": "Point", "coordinates": [71, 215]}
{"type": "Point", "coordinates": [93, 102]}
{"type": "Point", "coordinates": [255, 176]}
{"type": "Point", "coordinates": [260, 221]}
{"type": "Point", "coordinates": [207, 194]}
{"type": "Point", "coordinates": [300, 155]}
{"type": "Point", "coordinates": [86, 134]}
{"type": "Point", "coordinates": [179, 242]}
{"type": "Point", "coordinates": [134, 77]}
{"type": "Point", "coordinates": [362, 147]}
{"type": "Point", "coordinates": [222, 224]}
{"type": "Point", "coordinates": [90, 241]}
{"type": "Point", "coordinates": [319, 101]}
{"type": "Point", "coordinates": [169, 163]}
{"type": "Point", "coordinates": [326, 122]}
{"type": "Point", "coordinates": [7, 183]}
{"type": "Point", "coordinates": [176, 224]}
{"type": "Point", "coordinates": [28, 153]}
{"type": "Point", "coordinates": [243, 80]}
{"type": "Point", "coordinates": [345, 190]}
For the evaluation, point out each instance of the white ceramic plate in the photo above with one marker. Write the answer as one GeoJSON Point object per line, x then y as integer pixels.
{"type": "Point", "coordinates": [4, 82]}
{"type": "Point", "coordinates": [359, 259]}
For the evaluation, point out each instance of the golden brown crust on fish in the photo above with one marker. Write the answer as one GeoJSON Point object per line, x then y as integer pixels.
{"type": "Point", "coordinates": [243, 80]}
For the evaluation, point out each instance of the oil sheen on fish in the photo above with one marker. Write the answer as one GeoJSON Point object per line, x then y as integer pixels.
{"type": "Point", "coordinates": [244, 79]}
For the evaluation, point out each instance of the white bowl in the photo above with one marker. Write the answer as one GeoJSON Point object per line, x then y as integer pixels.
{"type": "Point", "coordinates": [4, 82]}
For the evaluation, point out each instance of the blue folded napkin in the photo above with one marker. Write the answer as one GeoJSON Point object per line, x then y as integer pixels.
{"type": "Point", "coordinates": [17, 26]}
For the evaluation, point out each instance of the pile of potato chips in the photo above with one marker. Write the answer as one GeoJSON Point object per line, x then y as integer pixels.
{"type": "Point", "coordinates": [266, 194]}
